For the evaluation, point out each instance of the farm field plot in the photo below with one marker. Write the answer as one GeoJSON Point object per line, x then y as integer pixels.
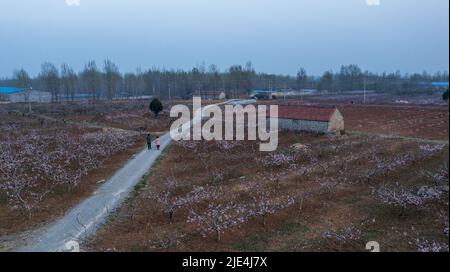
{"type": "Point", "coordinates": [45, 169]}
{"type": "Point", "coordinates": [315, 193]}
{"type": "Point", "coordinates": [424, 99]}
{"type": "Point", "coordinates": [129, 115]}
{"type": "Point", "coordinates": [418, 122]}
{"type": "Point", "coordinates": [56, 156]}
{"type": "Point", "coordinates": [425, 122]}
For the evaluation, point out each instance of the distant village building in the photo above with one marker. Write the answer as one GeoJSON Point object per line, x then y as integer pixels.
{"type": "Point", "coordinates": [17, 95]}
{"type": "Point", "coordinates": [441, 84]}
{"type": "Point", "coordinates": [311, 119]}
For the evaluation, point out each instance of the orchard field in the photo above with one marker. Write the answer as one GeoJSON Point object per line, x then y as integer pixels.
{"type": "Point", "coordinates": [385, 180]}
{"type": "Point", "coordinates": [128, 115]}
{"type": "Point", "coordinates": [315, 193]}
{"type": "Point", "coordinates": [57, 155]}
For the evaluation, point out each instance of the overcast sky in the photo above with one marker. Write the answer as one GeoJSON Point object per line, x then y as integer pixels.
{"type": "Point", "coordinates": [278, 36]}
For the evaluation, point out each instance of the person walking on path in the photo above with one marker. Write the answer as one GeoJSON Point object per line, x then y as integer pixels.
{"type": "Point", "coordinates": [149, 141]}
{"type": "Point", "coordinates": [158, 142]}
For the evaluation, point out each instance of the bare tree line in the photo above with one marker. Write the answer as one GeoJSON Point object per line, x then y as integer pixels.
{"type": "Point", "coordinates": [107, 82]}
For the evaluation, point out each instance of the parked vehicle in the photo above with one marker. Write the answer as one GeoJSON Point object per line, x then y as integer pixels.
{"type": "Point", "coordinates": [261, 94]}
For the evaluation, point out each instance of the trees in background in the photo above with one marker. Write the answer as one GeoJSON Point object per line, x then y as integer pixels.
{"type": "Point", "coordinates": [198, 79]}
{"type": "Point", "coordinates": [240, 79]}
{"type": "Point", "coordinates": [215, 80]}
{"type": "Point", "coordinates": [130, 83]}
{"type": "Point", "coordinates": [326, 81]}
{"type": "Point", "coordinates": [22, 79]}
{"type": "Point", "coordinates": [112, 78]}
{"type": "Point", "coordinates": [350, 78]}
{"type": "Point", "coordinates": [235, 81]}
{"type": "Point", "coordinates": [68, 81]}
{"type": "Point", "coordinates": [91, 79]}
{"type": "Point", "coordinates": [50, 77]}
{"type": "Point", "coordinates": [302, 79]}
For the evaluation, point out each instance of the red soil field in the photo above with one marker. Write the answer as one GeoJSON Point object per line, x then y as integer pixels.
{"type": "Point", "coordinates": [429, 122]}
{"type": "Point", "coordinates": [417, 122]}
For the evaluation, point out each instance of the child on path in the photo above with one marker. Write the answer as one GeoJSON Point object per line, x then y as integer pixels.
{"type": "Point", "coordinates": [158, 142]}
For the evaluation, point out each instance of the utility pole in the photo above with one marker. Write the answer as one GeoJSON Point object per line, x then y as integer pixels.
{"type": "Point", "coordinates": [29, 102]}
{"type": "Point", "coordinates": [364, 90]}
{"type": "Point", "coordinates": [29, 98]}
{"type": "Point", "coordinates": [270, 87]}
{"type": "Point", "coordinates": [170, 97]}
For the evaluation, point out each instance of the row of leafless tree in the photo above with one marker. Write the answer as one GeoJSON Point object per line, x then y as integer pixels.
{"type": "Point", "coordinates": [107, 82]}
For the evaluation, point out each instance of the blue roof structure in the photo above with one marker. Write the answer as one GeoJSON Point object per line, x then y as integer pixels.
{"type": "Point", "coordinates": [440, 84]}
{"type": "Point", "coordinates": [10, 90]}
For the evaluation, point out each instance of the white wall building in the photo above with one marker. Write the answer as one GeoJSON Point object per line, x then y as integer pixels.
{"type": "Point", "coordinates": [29, 96]}
{"type": "Point", "coordinates": [312, 119]}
